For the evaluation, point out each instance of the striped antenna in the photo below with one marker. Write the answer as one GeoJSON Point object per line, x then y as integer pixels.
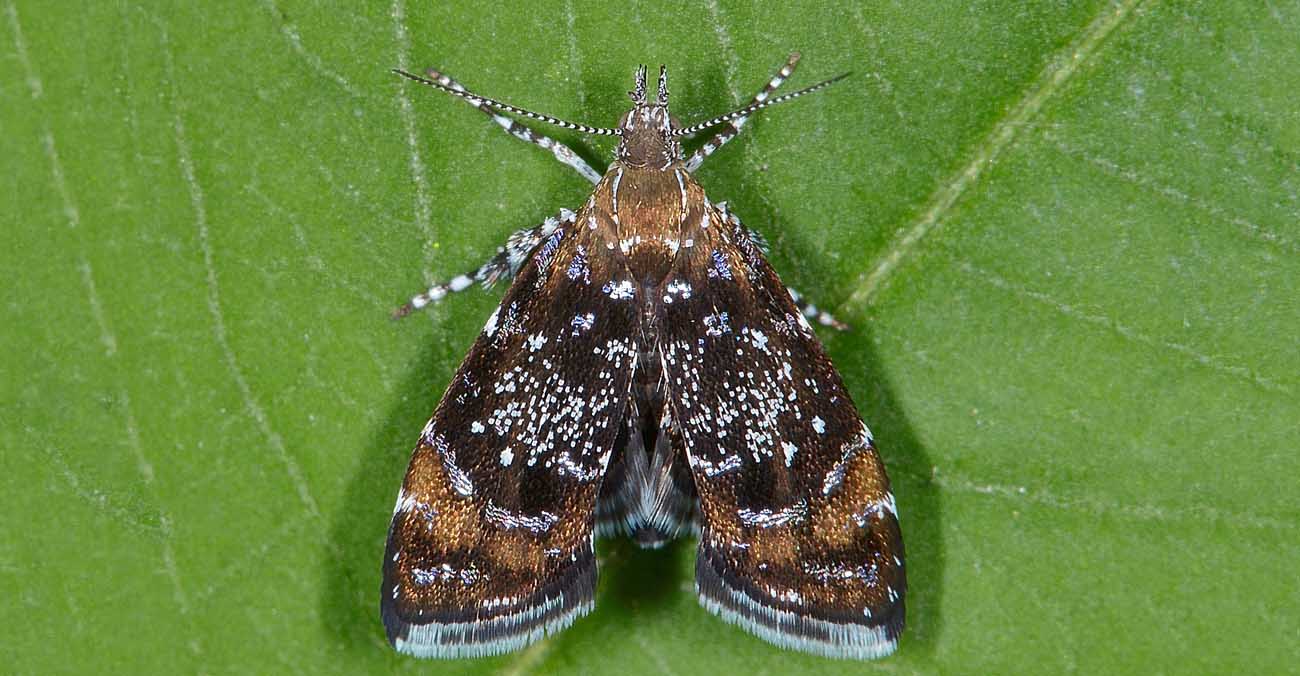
{"type": "Point", "coordinates": [750, 109]}
{"type": "Point", "coordinates": [475, 98]}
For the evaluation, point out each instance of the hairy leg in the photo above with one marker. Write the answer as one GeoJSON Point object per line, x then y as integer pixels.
{"type": "Point", "coordinates": [503, 265]}
{"type": "Point", "coordinates": [732, 128]}
{"type": "Point", "coordinates": [561, 152]}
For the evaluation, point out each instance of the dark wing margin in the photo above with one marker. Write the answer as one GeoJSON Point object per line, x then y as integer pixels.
{"type": "Point", "coordinates": [799, 542]}
{"type": "Point", "coordinates": [490, 546]}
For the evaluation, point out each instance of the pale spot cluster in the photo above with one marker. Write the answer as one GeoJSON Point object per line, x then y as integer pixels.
{"type": "Point", "coordinates": [677, 288]}
{"type": "Point", "coordinates": [551, 418]}
{"type": "Point", "coordinates": [578, 267]}
{"type": "Point", "coordinates": [582, 323]}
{"type": "Point", "coordinates": [719, 269]}
{"type": "Point", "coordinates": [771, 518]}
{"type": "Point", "coordinates": [424, 577]}
{"type": "Point", "coordinates": [758, 400]}
{"type": "Point", "coordinates": [826, 573]}
{"type": "Point", "coordinates": [509, 520]}
{"type": "Point", "coordinates": [620, 290]}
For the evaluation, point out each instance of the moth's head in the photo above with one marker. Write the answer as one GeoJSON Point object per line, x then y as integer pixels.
{"type": "Point", "coordinates": [646, 132]}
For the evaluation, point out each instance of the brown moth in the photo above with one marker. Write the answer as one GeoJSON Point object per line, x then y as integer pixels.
{"type": "Point", "coordinates": [646, 374]}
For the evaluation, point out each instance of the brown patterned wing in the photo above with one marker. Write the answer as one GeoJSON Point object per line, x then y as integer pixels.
{"type": "Point", "coordinates": [800, 541]}
{"type": "Point", "coordinates": [490, 545]}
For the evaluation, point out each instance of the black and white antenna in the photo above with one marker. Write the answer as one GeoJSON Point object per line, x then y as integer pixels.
{"type": "Point", "coordinates": [750, 109]}
{"type": "Point", "coordinates": [499, 105]}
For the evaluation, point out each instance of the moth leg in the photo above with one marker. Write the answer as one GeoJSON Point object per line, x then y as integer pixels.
{"type": "Point", "coordinates": [813, 313]}
{"type": "Point", "coordinates": [732, 128]}
{"type": "Point", "coordinates": [561, 152]}
{"type": "Point", "coordinates": [503, 265]}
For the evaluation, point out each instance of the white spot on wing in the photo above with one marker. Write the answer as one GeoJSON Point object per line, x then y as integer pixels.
{"type": "Point", "coordinates": [509, 520]}
{"type": "Point", "coordinates": [790, 449]}
{"type": "Point", "coordinates": [582, 323]}
{"type": "Point", "coordinates": [680, 287]}
{"type": "Point", "coordinates": [460, 480]}
{"type": "Point", "coordinates": [618, 178]}
{"type": "Point", "coordinates": [836, 475]}
{"type": "Point", "coordinates": [405, 502]}
{"type": "Point", "coordinates": [578, 267]}
{"type": "Point", "coordinates": [682, 187]}
{"type": "Point", "coordinates": [716, 324]}
{"type": "Point", "coordinates": [719, 269]}
{"type": "Point", "coordinates": [769, 518]}
{"type": "Point", "coordinates": [730, 463]}
{"type": "Point", "coordinates": [618, 290]}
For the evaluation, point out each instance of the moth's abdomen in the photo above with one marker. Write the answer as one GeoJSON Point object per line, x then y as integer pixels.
{"type": "Point", "coordinates": [649, 494]}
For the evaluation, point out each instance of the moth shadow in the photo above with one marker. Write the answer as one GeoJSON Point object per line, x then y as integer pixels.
{"type": "Point", "coordinates": [642, 579]}
{"type": "Point", "coordinates": [920, 504]}
{"type": "Point", "coordinates": [349, 599]}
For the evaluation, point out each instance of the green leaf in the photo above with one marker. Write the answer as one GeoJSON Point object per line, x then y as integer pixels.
{"type": "Point", "coordinates": [1066, 235]}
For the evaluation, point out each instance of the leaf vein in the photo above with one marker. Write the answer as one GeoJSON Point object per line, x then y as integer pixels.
{"type": "Point", "coordinates": [290, 32]}
{"type": "Point", "coordinates": [197, 203]}
{"type": "Point", "coordinates": [423, 199]}
{"type": "Point", "coordinates": [1213, 363]}
{"type": "Point", "coordinates": [1165, 191]}
{"type": "Point", "coordinates": [1003, 134]}
{"type": "Point", "coordinates": [1102, 507]}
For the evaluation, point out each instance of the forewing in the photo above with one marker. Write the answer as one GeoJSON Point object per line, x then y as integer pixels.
{"type": "Point", "coordinates": [800, 541]}
{"type": "Point", "coordinates": [490, 545]}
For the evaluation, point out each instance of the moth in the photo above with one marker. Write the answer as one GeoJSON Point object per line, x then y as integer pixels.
{"type": "Point", "coordinates": [646, 374]}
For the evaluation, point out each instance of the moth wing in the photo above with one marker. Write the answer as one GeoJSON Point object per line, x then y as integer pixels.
{"type": "Point", "coordinates": [799, 541]}
{"type": "Point", "coordinates": [490, 545]}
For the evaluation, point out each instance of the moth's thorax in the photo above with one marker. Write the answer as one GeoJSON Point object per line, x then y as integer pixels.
{"type": "Point", "coordinates": [645, 138]}
{"type": "Point", "coordinates": [647, 215]}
